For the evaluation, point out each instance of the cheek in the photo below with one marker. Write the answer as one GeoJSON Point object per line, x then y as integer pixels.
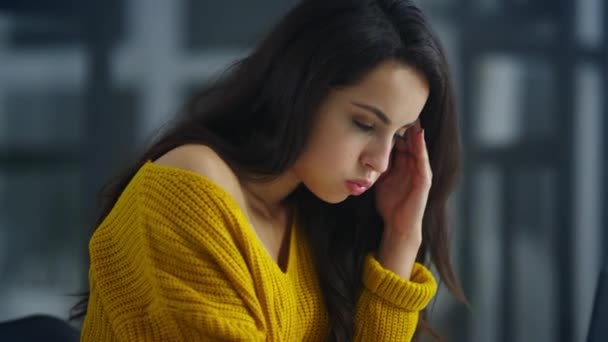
{"type": "Point", "coordinates": [337, 156]}
{"type": "Point", "coordinates": [333, 150]}
{"type": "Point", "coordinates": [337, 146]}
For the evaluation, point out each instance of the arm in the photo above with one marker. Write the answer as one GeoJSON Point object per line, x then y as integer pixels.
{"type": "Point", "coordinates": [395, 288]}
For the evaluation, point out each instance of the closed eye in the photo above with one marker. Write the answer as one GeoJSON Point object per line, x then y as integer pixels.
{"type": "Point", "coordinates": [362, 126]}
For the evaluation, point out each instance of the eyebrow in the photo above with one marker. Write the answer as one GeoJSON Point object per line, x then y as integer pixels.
{"type": "Point", "coordinates": [380, 114]}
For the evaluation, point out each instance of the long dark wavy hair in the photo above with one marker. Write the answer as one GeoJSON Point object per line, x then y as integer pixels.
{"type": "Point", "coordinates": [258, 115]}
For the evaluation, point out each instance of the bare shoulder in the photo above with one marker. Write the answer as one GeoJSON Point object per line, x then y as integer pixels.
{"type": "Point", "coordinates": [205, 161]}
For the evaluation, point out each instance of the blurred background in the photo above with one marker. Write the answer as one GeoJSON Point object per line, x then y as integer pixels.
{"type": "Point", "coordinates": [85, 84]}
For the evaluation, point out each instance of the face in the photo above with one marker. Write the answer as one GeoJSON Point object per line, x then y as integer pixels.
{"type": "Point", "coordinates": [356, 128]}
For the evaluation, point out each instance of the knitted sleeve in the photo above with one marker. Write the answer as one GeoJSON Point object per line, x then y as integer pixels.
{"type": "Point", "coordinates": [388, 307]}
{"type": "Point", "coordinates": [165, 267]}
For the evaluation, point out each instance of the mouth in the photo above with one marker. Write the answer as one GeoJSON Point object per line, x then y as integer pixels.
{"type": "Point", "coordinates": [358, 186]}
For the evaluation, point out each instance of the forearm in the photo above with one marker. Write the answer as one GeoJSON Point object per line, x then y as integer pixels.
{"type": "Point", "coordinates": [397, 251]}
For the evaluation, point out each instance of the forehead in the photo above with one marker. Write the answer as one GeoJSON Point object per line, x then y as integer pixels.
{"type": "Point", "coordinates": [398, 90]}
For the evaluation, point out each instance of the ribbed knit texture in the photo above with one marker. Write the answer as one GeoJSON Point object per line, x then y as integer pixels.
{"type": "Point", "coordinates": [176, 260]}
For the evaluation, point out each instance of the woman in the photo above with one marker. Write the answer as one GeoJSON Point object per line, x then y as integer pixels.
{"type": "Point", "coordinates": [295, 198]}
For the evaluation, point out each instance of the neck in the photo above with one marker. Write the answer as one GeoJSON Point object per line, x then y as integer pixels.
{"type": "Point", "coordinates": [267, 198]}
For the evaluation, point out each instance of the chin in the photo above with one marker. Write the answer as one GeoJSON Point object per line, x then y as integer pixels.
{"type": "Point", "coordinates": [327, 197]}
{"type": "Point", "coordinates": [333, 198]}
{"type": "Point", "coordinates": [336, 201]}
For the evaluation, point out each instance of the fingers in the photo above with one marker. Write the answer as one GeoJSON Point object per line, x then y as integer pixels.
{"type": "Point", "coordinates": [417, 125]}
{"type": "Point", "coordinates": [413, 146]}
{"type": "Point", "coordinates": [417, 149]}
{"type": "Point", "coordinates": [424, 165]}
{"type": "Point", "coordinates": [402, 144]}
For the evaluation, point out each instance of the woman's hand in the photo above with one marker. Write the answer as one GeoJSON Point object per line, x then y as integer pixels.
{"type": "Point", "coordinates": [401, 197]}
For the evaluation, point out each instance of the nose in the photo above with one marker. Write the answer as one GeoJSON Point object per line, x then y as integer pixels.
{"type": "Point", "coordinates": [377, 156]}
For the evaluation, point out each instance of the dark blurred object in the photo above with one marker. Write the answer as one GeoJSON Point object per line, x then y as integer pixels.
{"type": "Point", "coordinates": [598, 330]}
{"type": "Point", "coordinates": [60, 22]}
{"type": "Point", "coordinates": [38, 328]}
{"type": "Point", "coordinates": [217, 20]}
{"type": "Point", "coordinates": [42, 6]}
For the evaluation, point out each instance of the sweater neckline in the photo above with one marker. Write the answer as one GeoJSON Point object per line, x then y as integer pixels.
{"type": "Point", "coordinates": [239, 211]}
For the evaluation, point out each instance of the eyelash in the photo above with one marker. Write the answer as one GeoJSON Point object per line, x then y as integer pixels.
{"type": "Point", "coordinates": [369, 128]}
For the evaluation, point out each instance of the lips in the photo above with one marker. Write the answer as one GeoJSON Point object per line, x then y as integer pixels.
{"type": "Point", "coordinates": [358, 186]}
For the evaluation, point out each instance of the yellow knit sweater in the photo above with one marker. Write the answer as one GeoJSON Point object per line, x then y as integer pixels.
{"type": "Point", "coordinates": [176, 260]}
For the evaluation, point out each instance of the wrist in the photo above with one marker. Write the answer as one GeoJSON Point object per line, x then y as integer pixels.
{"type": "Point", "coordinates": [397, 251]}
{"type": "Point", "coordinates": [407, 236]}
